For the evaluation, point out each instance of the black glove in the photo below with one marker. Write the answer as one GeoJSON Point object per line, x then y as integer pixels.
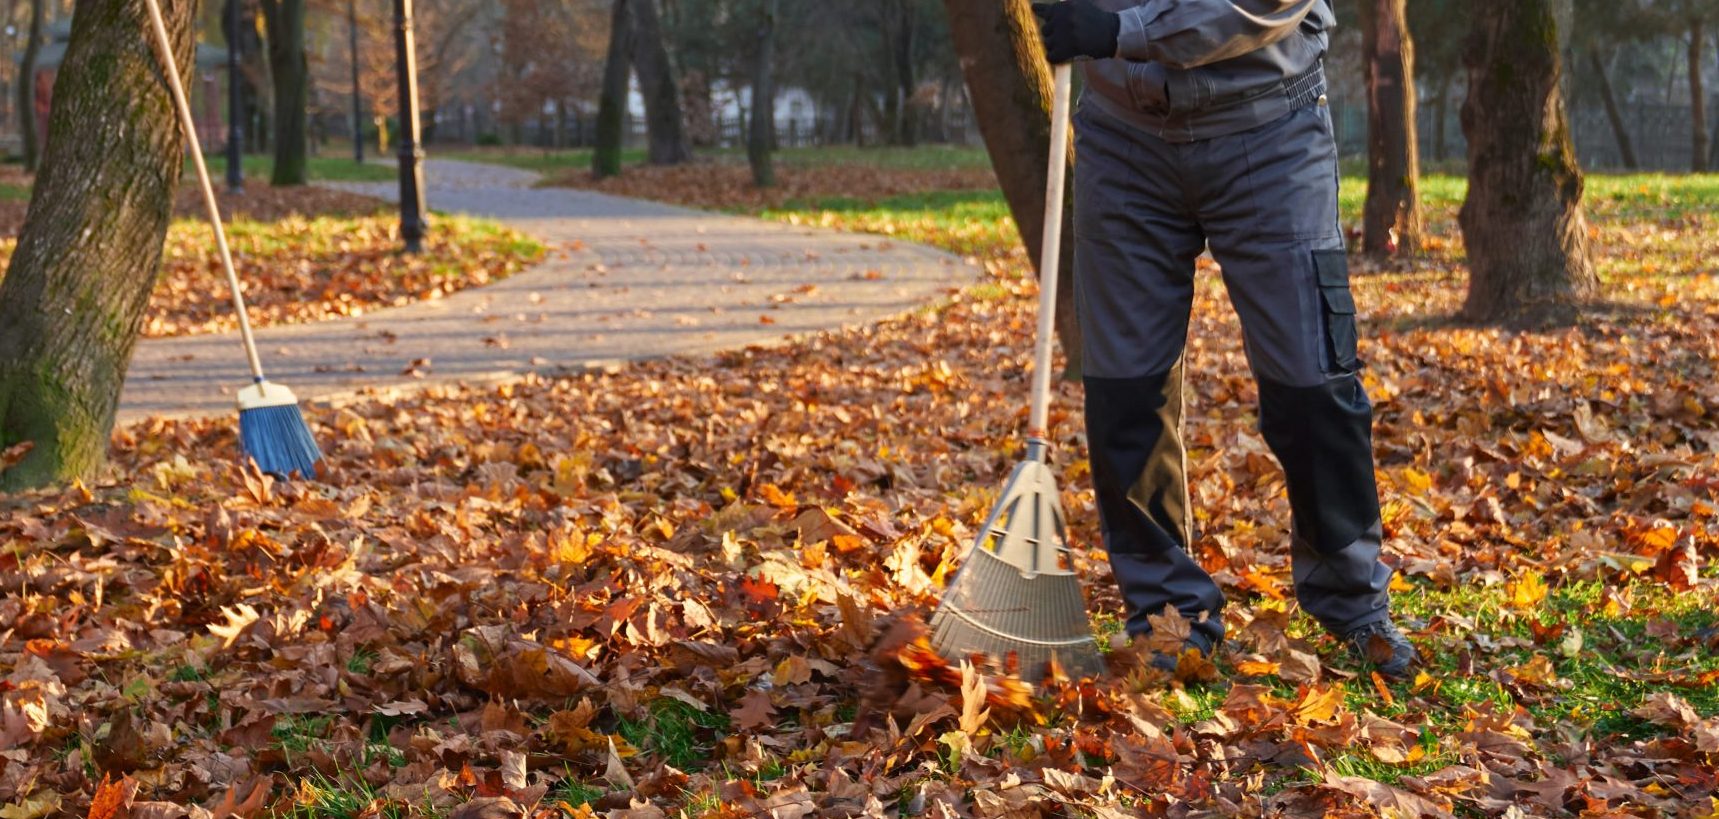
{"type": "Point", "coordinates": [1076, 29]}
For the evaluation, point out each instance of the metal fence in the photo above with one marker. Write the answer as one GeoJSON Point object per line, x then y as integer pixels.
{"type": "Point", "coordinates": [1662, 135]}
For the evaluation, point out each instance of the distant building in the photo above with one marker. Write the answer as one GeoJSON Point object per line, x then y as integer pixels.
{"type": "Point", "coordinates": [206, 85]}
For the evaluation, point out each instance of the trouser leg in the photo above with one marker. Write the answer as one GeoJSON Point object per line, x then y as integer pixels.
{"type": "Point", "coordinates": [1135, 246]}
{"type": "Point", "coordinates": [1271, 214]}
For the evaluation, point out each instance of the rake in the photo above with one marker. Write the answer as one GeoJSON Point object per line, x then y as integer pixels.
{"type": "Point", "coordinates": [272, 430]}
{"type": "Point", "coordinates": [1016, 598]}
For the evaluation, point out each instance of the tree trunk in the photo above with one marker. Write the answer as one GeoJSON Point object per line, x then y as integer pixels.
{"type": "Point", "coordinates": [284, 20]}
{"type": "Point", "coordinates": [1391, 221]}
{"type": "Point", "coordinates": [72, 302]}
{"type": "Point", "coordinates": [906, 117]}
{"type": "Point", "coordinates": [667, 131]}
{"type": "Point", "coordinates": [1441, 112]}
{"type": "Point", "coordinates": [1697, 95]}
{"type": "Point", "coordinates": [612, 105]}
{"type": "Point", "coordinates": [760, 142]}
{"type": "Point", "coordinates": [1009, 85]}
{"type": "Point", "coordinates": [1620, 129]}
{"type": "Point", "coordinates": [27, 88]}
{"type": "Point", "coordinates": [1523, 222]}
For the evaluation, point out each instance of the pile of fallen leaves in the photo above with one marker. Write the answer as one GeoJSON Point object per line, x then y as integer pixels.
{"type": "Point", "coordinates": [692, 587]}
{"type": "Point", "coordinates": [258, 202]}
{"type": "Point", "coordinates": [306, 254]}
{"type": "Point", "coordinates": [728, 186]}
{"type": "Point", "coordinates": [298, 269]}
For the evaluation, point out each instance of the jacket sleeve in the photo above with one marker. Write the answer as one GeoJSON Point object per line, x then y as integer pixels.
{"type": "Point", "coordinates": [1192, 33]}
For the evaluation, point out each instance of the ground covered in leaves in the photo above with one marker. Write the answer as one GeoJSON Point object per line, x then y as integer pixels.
{"type": "Point", "coordinates": [691, 587]}
{"type": "Point", "coordinates": [303, 254]}
{"type": "Point", "coordinates": [724, 181]}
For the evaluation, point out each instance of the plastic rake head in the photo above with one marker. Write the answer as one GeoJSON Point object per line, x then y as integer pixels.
{"type": "Point", "coordinates": [1016, 598]}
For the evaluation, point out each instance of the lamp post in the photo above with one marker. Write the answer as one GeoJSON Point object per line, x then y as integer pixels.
{"type": "Point", "coordinates": [357, 95]}
{"type": "Point", "coordinates": [235, 101]}
{"type": "Point", "coordinates": [411, 155]}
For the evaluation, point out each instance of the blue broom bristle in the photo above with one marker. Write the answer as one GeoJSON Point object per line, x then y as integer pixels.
{"type": "Point", "coordinates": [279, 440]}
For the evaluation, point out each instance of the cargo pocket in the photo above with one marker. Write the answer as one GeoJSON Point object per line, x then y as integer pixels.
{"type": "Point", "coordinates": [1339, 308]}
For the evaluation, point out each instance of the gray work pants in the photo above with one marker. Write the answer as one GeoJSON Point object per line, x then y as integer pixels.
{"type": "Point", "coordinates": [1265, 202]}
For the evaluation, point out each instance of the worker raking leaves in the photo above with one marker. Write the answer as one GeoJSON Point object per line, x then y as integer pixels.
{"type": "Point", "coordinates": [1204, 124]}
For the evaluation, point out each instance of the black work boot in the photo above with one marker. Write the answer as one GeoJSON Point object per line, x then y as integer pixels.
{"type": "Point", "coordinates": [1383, 645]}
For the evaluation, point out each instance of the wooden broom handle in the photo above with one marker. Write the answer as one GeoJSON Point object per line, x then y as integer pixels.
{"type": "Point", "coordinates": [189, 124]}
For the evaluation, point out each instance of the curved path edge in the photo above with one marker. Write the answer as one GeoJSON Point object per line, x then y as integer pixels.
{"type": "Point", "coordinates": [623, 280]}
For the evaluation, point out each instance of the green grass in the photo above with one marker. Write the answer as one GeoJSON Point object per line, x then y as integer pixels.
{"type": "Point", "coordinates": [14, 193]}
{"type": "Point", "coordinates": [971, 222]}
{"type": "Point", "coordinates": [574, 793]}
{"type": "Point", "coordinates": [966, 222]}
{"type": "Point", "coordinates": [347, 797]}
{"type": "Point", "coordinates": [926, 157]}
{"type": "Point", "coordinates": [537, 160]}
{"type": "Point", "coordinates": [675, 732]}
{"type": "Point", "coordinates": [328, 237]}
{"type": "Point", "coordinates": [1604, 674]}
{"type": "Point", "coordinates": [258, 168]}
{"type": "Point", "coordinates": [297, 733]}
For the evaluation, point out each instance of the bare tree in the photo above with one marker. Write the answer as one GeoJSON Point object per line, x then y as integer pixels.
{"type": "Point", "coordinates": [663, 119]}
{"type": "Point", "coordinates": [1523, 222]}
{"type": "Point", "coordinates": [760, 141]}
{"type": "Point", "coordinates": [1009, 83]}
{"type": "Point", "coordinates": [1392, 217]}
{"type": "Point", "coordinates": [612, 107]}
{"type": "Point", "coordinates": [290, 68]}
{"type": "Point", "coordinates": [27, 87]}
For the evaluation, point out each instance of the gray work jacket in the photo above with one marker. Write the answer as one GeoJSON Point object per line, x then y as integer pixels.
{"type": "Point", "coordinates": [1189, 70]}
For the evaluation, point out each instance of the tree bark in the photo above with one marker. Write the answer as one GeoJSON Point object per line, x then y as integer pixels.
{"type": "Point", "coordinates": [284, 20]}
{"type": "Point", "coordinates": [73, 301]}
{"type": "Point", "coordinates": [1523, 222]}
{"type": "Point", "coordinates": [900, 33]}
{"type": "Point", "coordinates": [667, 132]}
{"type": "Point", "coordinates": [612, 105]}
{"type": "Point", "coordinates": [1441, 110]}
{"type": "Point", "coordinates": [1391, 220]}
{"type": "Point", "coordinates": [27, 88]}
{"type": "Point", "coordinates": [760, 141]}
{"type": "Point", "coordinates": [1697, 95]}
{"type": "Point", "coordinates": [1614, 114]}
{"type": "Point", "coordinates": [1009, 84]}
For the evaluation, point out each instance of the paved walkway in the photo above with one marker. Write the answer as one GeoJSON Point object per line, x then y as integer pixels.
{"type": "Point", "coordinates": [623, 280]}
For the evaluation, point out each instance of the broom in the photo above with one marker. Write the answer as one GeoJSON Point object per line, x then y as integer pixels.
{"type": "Point", "coordinates": [1016, 598]}
{"type": "Point", "coordinates": [272, 430]}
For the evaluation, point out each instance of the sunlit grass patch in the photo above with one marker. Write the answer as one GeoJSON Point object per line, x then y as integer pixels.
{"type": "Point", "coordinates": [259, 167]}
{"type": "Point", "coordinates": [676, 732]}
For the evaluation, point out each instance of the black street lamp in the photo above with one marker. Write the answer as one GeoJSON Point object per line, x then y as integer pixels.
{"type": "Point", "coordinates": [357, 95]}
{"type": "Point", "coordinates": [411, 155]}
{"type": "Point", "coordinates": [235, 101]}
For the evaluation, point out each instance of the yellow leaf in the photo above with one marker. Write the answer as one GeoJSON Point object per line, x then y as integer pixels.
{"type": "Point", "coordinates": [793, 670]}
{"type": "Point", "coordinates": [973, 710]}
{"type": "Point", "coordinates": [42, 804]}
{"type": "Point", "coordinates": [1319, 704]}
{"type": "Point", "coordinates": [1527, 590]}
{"type": "Point", "coordinates": [1257, 668]}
